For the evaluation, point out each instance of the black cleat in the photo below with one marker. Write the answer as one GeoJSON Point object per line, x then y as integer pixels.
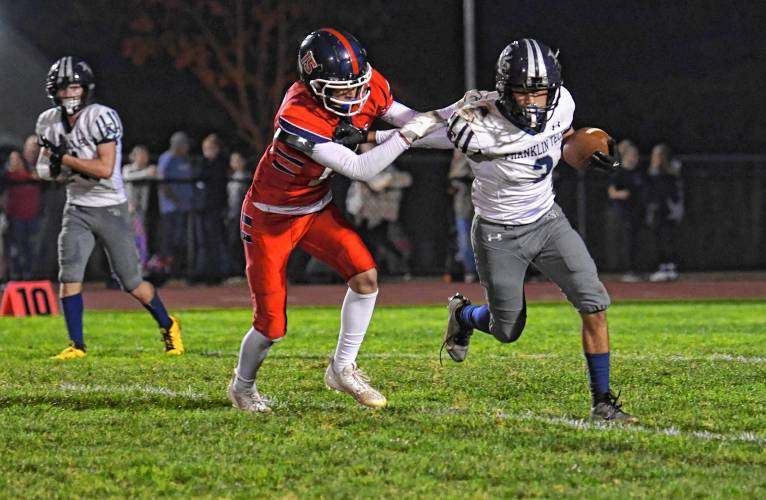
{"type": "Point", "coordinates": [457, 337]}
{"type": "Point", "coordinates": [606, 408]}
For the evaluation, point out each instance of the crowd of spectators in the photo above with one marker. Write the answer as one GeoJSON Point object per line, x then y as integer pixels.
{"type": "Point", "coordinates": [198, 194]}
{"type": "Point", "coordinates": [198, 197]}
{"type": "Point", "coordinates": [645, 198]}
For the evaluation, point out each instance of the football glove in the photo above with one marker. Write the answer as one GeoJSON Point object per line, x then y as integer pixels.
{"type": "Point", "coordinates": [606, 162]}
{"type": "Point", "coordinates": [348, 135]}
{"type": "Point", "coordinates": [421, 125]}
{"type": "Point", "coordinates": [57, 152]}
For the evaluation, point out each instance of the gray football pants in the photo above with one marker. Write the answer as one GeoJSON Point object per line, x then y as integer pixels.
{"type": "Point", "coordinates": [111, 225]}
{"type": "Point", "coordinates": [503, 254]}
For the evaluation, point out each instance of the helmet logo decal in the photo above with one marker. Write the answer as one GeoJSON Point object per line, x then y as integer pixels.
{"type": "Point", "coordinates": [308, 63]}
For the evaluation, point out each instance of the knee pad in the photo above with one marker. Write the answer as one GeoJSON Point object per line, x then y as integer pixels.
{"type": "Point", "coordinates": [273, 328]}
{"type": "Point", "coordinates": [510, 331]}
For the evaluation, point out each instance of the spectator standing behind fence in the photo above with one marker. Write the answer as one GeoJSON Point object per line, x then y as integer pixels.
{"type": "Point", "coordinates": [137, 176]}
{"type": "Point", "coordinates": [665, 210]}
{"type": "Point", "coordinates": [236, 189]}
{"type": "Point", "coordinates": [375, 205]}
{"type": "Point", "coordinates": [175, 198]}
{"type": "Point", "coordinates": [460, 178]}
{"type": "Point", "coordinates": [625, 216]}
{"type": "Point", "coordinates": [52, 200]}
{"type": "Point", "coordinates": [212, 262]}
{"type": "Point", "coordinates": [22, 210]}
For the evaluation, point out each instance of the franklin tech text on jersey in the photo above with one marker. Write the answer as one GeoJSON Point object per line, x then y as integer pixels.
{"type": "Point", "coordinates": [538, 149]}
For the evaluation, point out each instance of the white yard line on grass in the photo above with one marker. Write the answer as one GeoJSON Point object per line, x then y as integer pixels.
{"type": "Point", "coordinates": [147, 390]}
{"type": "Point", "coordinates": [584, 425]}
{"type": "Point", "coordinates": [573, 423]}
{"type": "Point", "coordinates": [718, 357]}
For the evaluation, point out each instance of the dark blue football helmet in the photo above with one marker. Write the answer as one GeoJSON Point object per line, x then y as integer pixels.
{"type": "Point", "coordinates": [67, 71]}
{"type": "Point", "coordinates": [528, 65]}
{"type": "Point", "coordinates": [330, 62]}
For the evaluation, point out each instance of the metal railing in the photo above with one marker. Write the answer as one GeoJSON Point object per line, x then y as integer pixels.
{"type": "Point", "coordinates": [723, 227]}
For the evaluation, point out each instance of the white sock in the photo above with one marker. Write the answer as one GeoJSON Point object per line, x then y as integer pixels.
{"type": "Point", "coordinates": [255, 346]}
{"type": "Point", "coordinates": [355, 316]}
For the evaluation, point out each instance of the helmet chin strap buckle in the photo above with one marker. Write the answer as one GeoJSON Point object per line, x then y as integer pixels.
{"type": "Point", "coordinates": [71, 106]}
{"type": "Point", "coordinates": [532, 115]}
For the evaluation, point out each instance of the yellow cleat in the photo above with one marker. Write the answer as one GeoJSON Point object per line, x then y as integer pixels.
{"type": "Point", "coordinates": [70, 352]}
{"type": "Point", "coordinates": [172, 338]}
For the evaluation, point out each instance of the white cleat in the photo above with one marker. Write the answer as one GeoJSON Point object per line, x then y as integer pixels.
{"type": "Point", "coordinates": [355, 382]}
{"type": "Point", "coordinates": [247, 400]}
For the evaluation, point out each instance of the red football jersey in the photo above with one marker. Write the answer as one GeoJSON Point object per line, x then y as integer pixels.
{"type": "Point", "coordinates": [287, 177]}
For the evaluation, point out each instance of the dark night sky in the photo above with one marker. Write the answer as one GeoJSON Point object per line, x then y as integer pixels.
{"type": "Point", "coordinates": [687, 72]}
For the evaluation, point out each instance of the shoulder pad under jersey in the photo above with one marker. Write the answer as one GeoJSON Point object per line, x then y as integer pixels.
{"type": "Point", "coordinates": [294, 141]}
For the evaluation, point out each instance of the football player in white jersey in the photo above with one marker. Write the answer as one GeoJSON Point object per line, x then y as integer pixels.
{"type": "Point", "coordinates": [82, 145]}
{"type": "Point", "coordinates": [513, 140]}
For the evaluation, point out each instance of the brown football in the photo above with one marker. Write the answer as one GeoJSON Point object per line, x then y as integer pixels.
{"type": "Point", "coordinates": [580, 146]}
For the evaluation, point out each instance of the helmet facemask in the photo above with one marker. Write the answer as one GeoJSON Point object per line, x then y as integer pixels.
{"type": "Point", "coordinates": [71, 105]}
{"type": "Point", "coordinates": [531, 116]}
{"type": "Point", "coordinates": [324, 90]}
{"type": "Point", "coordinates": [527, 66]}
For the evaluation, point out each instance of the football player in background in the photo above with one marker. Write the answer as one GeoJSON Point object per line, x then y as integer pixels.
{"type": "Point", "coordinates": [512, 138]}
{"type": "Point", "coordinates": [82, 144]}
{"type": "Point", "coordinates": [289, 204]}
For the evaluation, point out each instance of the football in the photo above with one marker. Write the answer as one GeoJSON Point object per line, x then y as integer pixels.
{"type": "Point", "coordinates": [580, 146]}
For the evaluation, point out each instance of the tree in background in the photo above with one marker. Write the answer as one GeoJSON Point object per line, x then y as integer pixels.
{"type": "Point", "coordinates": [242, 52]}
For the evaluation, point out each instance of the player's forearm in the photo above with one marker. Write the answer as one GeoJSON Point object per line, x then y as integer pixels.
{"type": "Point", "coordinates": [359, 167]}
{"type": "Point", "coordinates": [435, 140]}
{"type": "Point", "coordinates": [398, 114]}
{"type": "Point", "coordinates": [97, 167]}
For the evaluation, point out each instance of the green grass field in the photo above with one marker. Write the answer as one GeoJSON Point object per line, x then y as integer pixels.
{"type": "Point", "coordinates": [128, 421]}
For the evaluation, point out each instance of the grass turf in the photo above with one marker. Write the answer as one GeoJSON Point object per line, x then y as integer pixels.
{"type": "Point", "coordinates": [129, 421]}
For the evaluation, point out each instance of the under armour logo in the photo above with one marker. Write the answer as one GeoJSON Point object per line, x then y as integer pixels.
{"type": "Point", "coordinates": [556, 125]}
{"type": "Point", "coordinates": [552, 214]}
{"type": "Point", "coordinates": [495, 237]}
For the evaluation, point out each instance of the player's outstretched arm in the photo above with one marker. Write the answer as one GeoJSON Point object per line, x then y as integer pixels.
{"type": "Point", "coordinates": [365, 166]}
{"type": "Point", "coordinates": [361, 167]}
{"type": "Point", "coordinates": [398, 114]}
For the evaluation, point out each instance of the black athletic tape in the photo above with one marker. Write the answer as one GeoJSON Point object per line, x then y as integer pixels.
{"type": "Point", "coordinates": [468, 138]}
{"type": "Point", "coordinates": [456, 142]}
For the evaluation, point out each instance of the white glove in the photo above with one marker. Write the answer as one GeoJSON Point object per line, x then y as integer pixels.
{"type": "Point", "coordinates": [421, 125]}
{"type": "Point", "coordinates": [43, 167]}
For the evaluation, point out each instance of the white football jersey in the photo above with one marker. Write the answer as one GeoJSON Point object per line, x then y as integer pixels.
{"type": "Point", "coordinates": [96, 125]}
{"type": "Point", "coordinates": [512, 167]}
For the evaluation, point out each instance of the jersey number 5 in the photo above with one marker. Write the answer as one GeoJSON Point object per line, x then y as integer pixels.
{"type": "Point", "coordinates": [546, 162]}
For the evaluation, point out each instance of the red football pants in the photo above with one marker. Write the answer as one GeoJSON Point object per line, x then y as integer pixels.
{"type": "Point", "coordinates": [269, 240]}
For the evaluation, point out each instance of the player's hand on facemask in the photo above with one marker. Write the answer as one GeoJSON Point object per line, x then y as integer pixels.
{"type": "Point", "coordinates": [421, 125]}
{"type": "Point", "coordinates": [56, 153]}
{"type": "Point", "coordinates": [606, 162]}
{"type": "Point", "coordinates": [348, 135]}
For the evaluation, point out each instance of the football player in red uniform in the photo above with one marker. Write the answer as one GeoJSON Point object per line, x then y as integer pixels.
{"type": "Point", "coordinates": [289, 204]}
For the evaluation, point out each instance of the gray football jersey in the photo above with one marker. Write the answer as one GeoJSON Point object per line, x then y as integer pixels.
{"type": "Point", "coordinates": [511, 166]}
{"type": "Point", "coordinates": [97, 124]}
